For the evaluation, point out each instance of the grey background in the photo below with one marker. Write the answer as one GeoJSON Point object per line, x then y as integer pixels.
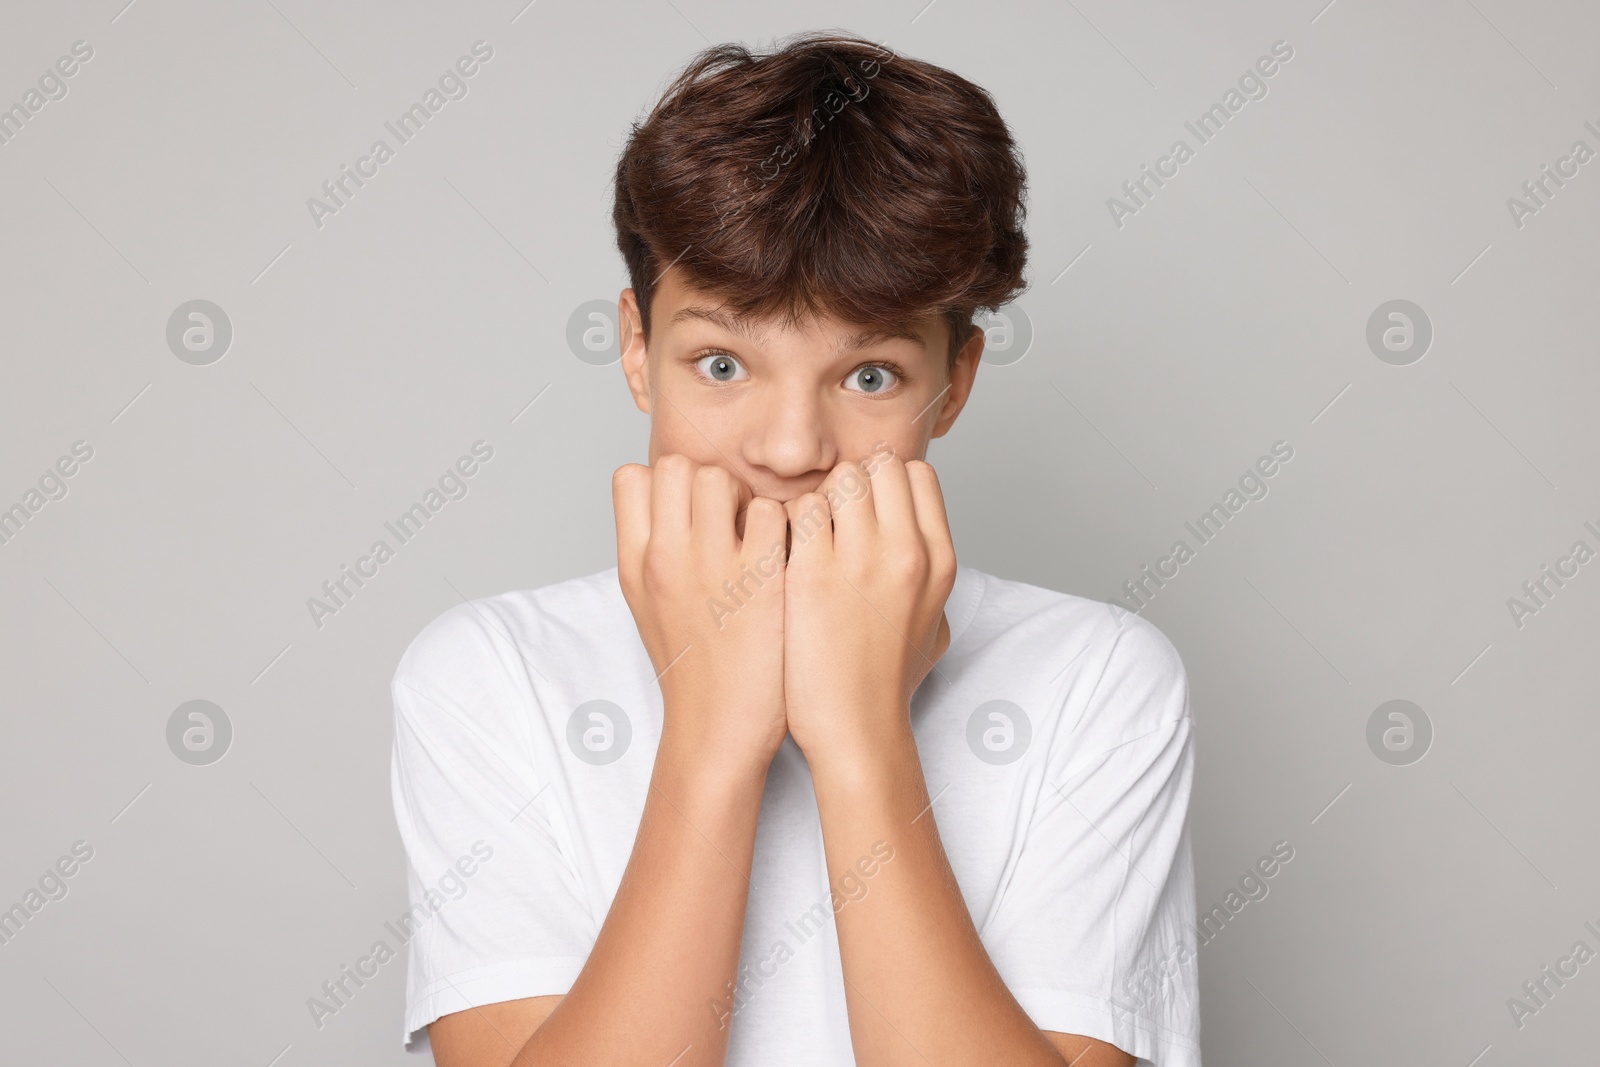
{"type": "Point", "coordinates": [369, 354]}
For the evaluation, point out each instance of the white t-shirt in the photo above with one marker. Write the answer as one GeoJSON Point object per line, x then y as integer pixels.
{"type": "Point", "coordinates": [1055, 738]}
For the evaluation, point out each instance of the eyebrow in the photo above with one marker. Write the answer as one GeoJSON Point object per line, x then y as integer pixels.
{"type": "Point", "coordinates": [748, 330]}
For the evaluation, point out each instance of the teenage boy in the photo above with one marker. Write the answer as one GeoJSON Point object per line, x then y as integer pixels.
{"type": "Point", "coordinates": [789, 785]}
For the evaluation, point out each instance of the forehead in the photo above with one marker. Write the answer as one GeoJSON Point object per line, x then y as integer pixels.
{"type": "Point", "coordinates": [683, 304]}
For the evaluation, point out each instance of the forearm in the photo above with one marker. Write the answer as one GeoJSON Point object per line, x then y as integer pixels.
{"type": "Point", "coordinates": [650, 989]}
{"type": "Point", "coordinates": [919, 984]}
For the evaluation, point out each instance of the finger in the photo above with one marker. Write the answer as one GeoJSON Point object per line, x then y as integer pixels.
{"type": "Point", "coordinates": [714, 498]}
{"type": "Point", "coordinates": [740, 514]}
{"type": "Point", "coordinates": [765, 524]}
{"type": "Point", "coordinates": [892, 501]}
{"type": "Point", "coordinates": [849, 492]}
{"type": "Point", "coordinates": [810, 526]}
{"type": "Point", "coordinates": [670, 496]}
{"type": "Point", "coordinates": [932, 520]}
{"type": "Point", "coordinates": [630, 499]}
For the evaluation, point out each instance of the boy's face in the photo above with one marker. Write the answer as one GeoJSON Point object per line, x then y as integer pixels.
{"type": "Point", "coordinates": [779, 408]}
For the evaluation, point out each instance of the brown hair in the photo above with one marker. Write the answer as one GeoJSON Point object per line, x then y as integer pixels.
{"type": "Point", "coordinates": [827, 176]}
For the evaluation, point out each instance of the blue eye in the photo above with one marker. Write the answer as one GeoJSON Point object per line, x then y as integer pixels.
{"type": "Point", "coordinates": [874, 378]}
{"type": "Point", "coordinates": [720, 367]}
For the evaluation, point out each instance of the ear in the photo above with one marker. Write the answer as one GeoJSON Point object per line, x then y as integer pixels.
{"type": "Point", "coordinates": [961, 378]}
{"type": "Point", "coordinates": [630, 339]}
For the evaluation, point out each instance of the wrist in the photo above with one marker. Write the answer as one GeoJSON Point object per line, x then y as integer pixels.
{"type": "Point", "coordinates": [856, 755]}
{"type": "Point", "coordinates": [703, 761]}
{"type": "Point", "coordinates": [707, 808]}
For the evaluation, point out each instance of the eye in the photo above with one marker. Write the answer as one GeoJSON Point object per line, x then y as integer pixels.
{"type": "Point", "coordinates": [720, 367]}
{"type": "Point", "coordinates": [874, 378]}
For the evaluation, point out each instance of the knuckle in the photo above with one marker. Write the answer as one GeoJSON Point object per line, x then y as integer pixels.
{"type": "Point", "coordinates": [712, 476]}
{"type": "Point", "coordinates": [763, 507]}
{"type": "Point", "coordinates": [673, 462]}
{"type": "Point", "coordinates": [851, 471]}
{"type": "Point", "coordinates": [903, 564]}
{"type": "Point", "coordinates": [808, 514]}
{"type": "Point", "coordinates": [913, 565]}
{"type": "Point", "coordinates": [657, 568]}
{"type": "Point", "coordinates": [655, 573]}
{"type": "Point", "coordinates": [810, 506]}
{"type": "Point", "coordinates": [628, 473]}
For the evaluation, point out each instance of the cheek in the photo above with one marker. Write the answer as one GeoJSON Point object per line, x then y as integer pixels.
{"type": "Point", "coordinates": [679, 428]}
{"type": "Point", "coordinates": [667, 436]}
{"type": "Point", "coordinates": [897, 438]}
{"type": "Point", "coordinates": [899, 429]}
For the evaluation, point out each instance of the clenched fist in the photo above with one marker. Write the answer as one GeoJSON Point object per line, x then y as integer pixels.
{"type": "Point", "coordinates": [870, 568]}
{"type": "Point", "coordinates": [709, 603]}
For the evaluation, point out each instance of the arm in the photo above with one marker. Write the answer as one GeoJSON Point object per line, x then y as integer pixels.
{"type": "Point", "coordinates": [652, 987]}
{"type": "Point", "coordinates": [864, 598]}
{"type": "Point", "coordinates": [920, 987]}
{"type": "Point", "coordinates": [656, 986]}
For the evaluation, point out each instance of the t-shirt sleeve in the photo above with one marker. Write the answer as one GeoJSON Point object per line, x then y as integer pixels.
{"type": "Point", "coordinates": [1093, 931]}
{"type": "Point", "coordinates": [497, 911]}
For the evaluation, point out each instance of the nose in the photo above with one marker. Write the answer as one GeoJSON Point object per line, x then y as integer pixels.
{"type": "Point", "coordinates": [791, 438]}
